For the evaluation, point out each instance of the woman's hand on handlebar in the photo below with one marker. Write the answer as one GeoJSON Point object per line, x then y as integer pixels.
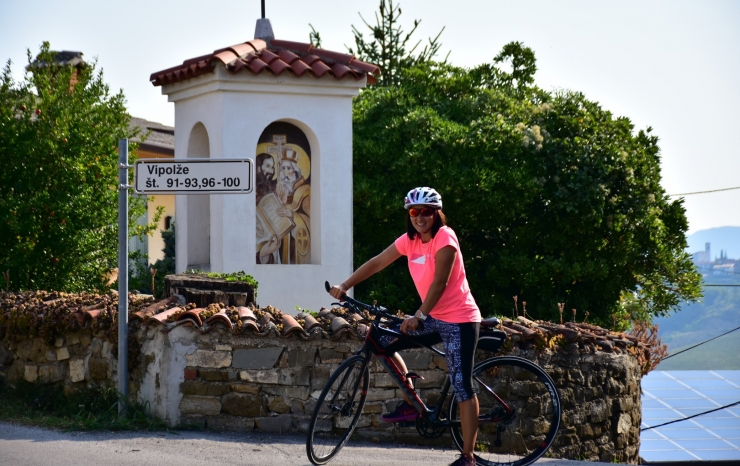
{"type": "Point", "coordinates": [410, 324]}
{"type": "Point", "coordinates": [338, 291]}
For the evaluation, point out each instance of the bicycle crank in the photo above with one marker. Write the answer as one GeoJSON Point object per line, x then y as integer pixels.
{"type": "Point", "coordinates": [428, 430]}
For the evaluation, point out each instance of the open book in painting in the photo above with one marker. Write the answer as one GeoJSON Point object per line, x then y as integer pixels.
{"type": "Point", "coordinates": [267, 210]}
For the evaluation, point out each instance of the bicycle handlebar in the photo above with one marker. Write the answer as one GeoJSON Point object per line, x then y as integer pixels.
{"type": "Point", "coordinates": [372, 309]}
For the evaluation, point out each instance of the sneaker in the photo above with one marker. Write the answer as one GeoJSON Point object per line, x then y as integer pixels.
{"type": "Point", "coordinates": [404, 412]}
{"type": "Point", "coordinates": [463, 461]}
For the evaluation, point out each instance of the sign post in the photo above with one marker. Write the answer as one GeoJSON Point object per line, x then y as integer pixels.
{"type": "Point", "coordinates": [165, 176]}
{"type": "Point", "coordinates": [123, 188]}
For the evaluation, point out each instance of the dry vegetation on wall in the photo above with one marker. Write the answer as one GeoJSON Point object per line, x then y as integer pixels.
{"type": "Point", "coordinates": [648, 334]}
{"type": "Point", "coordinates": [642, 342]}
{"type": "Point", "coordinates": [48, 314]}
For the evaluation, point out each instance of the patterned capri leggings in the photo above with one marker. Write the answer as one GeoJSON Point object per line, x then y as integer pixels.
{"type": "Point", "coordinates": [459, 340]}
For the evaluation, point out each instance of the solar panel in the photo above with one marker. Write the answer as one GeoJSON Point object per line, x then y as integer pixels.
{"type": "Point", "coordinates": [703, 403]}
{"type": "Point", "coordinates": [728, 433]}
{"type": "Point", "coordinates": [729, 375]}
{"type": "Point", "coordinates": [673, 395]}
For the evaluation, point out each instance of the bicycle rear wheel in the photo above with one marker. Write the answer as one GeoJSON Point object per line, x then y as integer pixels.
{"type": "Point", "coordinates": [519, 412]}
{"type": "Point", "coordinates": [337, 410]}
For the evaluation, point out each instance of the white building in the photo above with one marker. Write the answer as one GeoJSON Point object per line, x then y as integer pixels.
{"type": "Point", "coordinates": [288, 106]}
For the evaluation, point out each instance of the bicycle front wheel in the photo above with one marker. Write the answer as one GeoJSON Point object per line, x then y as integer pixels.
{"type": "Point", "coordinates": [519, 412]}
{"type": "Point", "coordinates": [337, 410]}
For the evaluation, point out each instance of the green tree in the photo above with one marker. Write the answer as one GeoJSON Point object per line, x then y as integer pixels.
{"type": "Point", "coordinates": [150, 279]}
{"type": "Point", "coordinates": [389, 46]}
{"type": "Point", "coordinates": [553, 198]}
{"type": "Point", "coordinates": [314, 37]}
{"type": "Point", "coordinates": [59, 131]}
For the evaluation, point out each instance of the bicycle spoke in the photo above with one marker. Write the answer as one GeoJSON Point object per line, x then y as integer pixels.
{"type": "Point", "coordinates": [519, 412]}
{"type": "Point", "coordinates": [337, 411]}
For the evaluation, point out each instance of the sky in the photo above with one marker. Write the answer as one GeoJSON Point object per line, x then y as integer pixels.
{"type": "Point", "coordinates": [673, 65]}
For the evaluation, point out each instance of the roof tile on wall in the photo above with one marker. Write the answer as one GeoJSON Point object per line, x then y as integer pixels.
{"type": "Point", "coordinates": [226, 57]}
{"type": "Point", "coordinates": [219, 317]}
{"type": "Point", "coordinates": [311, 59]}
{"type": "Point", "coordinates": [98, 311]}
{"type": "Point", "coordinates": [367, 67]}
{"type": "Point", "coordinates": [335, 56]}
{"type": "Point", "coordinates": [287, 56]}
{"type": "Point", "coordinates": [278, 66]}
{"type": "Point", "coordinates": [256, 56]}
{"type": "Point", "coordinates": [287, 44]}
{"type": "Point", "coordinates": [242, 49]}
{"type": "Point", "coordinates": [320, 68]}
{"type": "Point", "coordinates": [257, 65]}
{"type": "Point", "coordinates": [299, 67]}
{"type": "Point", "coordinates": [268, 56]}
{"type": "Point", "coordinates": [340, 70]}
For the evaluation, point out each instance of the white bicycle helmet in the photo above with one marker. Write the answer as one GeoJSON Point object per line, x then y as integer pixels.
{"type": "Point", "coordinates": [423, 196]}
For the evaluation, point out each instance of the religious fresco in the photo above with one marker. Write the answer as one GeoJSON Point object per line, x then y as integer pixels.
{"type": "Point", "coordinates": [283, 196]}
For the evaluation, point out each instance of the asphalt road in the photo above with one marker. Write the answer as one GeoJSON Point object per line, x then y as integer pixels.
{"type": "Point", "coordinates": [31, 446]}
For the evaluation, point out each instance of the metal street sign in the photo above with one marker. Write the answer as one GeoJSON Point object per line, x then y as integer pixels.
{"type": "Point", "coordinates": [194, 176]}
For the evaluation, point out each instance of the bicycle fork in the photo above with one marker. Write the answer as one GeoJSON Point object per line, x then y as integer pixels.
{"type": "Point", "coordinates": [347, 409]}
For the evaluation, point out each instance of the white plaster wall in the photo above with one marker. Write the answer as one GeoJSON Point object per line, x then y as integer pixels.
{"type": "Point", "coordinates": [235, 109]}
{"type": "Point", "coordinates": [187, 115]}
{"type": "Point", "coordinates": [160, 385]}
{"type": "Point", "coordinates": [199, 206]}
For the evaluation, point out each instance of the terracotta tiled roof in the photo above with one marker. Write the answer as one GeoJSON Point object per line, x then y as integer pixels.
{"type": "Point", "coordinates": [277, 57]}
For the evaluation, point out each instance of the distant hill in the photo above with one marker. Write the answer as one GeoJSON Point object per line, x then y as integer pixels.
{"type": "Point", "coordinates": [722, 238]}
{"type": "Point", "coordinates": [717, 313]}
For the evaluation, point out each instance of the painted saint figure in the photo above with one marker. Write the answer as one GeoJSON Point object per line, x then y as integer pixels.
{"type": "Point", "coordinates": [284, 205]}
{"type": "Point", "coordinates": [265, 175]}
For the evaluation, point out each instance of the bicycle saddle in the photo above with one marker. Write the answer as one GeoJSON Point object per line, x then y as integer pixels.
{"type": "Point", "coordinates": [490, 322]}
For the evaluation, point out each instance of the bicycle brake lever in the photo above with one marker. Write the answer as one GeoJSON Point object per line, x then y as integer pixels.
{"type": "Point", "coordinates": [328, 288]}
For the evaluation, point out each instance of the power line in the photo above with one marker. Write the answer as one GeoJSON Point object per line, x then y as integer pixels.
{"type": "Point", "coordinates": [699, 344]}
{"type": "Point", "coordinates": [704, 192]}
{"type": "Point", "coordinates": [690, 417]}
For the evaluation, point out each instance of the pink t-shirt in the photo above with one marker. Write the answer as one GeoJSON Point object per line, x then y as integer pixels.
{"type": "Point", "coordinates": [456, 305]}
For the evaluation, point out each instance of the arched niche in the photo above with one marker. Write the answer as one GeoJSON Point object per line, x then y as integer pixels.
{"type": "Point", "coordinates": [286, 195]}
{"type": "Point", "coordinates": [199, 206]}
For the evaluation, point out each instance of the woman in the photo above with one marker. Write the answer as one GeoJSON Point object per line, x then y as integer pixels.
{"type": "Point", "coordinates": [448, 309]}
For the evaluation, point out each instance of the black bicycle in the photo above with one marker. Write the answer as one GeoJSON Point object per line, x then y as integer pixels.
{"type": "Point", "coordinates": [519, 405]}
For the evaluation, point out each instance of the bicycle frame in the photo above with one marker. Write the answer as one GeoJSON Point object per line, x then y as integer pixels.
{"type": "Point", "coordinates": [373, 347]}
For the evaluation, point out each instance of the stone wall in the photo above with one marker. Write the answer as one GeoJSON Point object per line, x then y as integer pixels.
{"type": "Point", "coordinates": [229, 382]}
{"type": "Point", "coordinates": [76, 359]}
{"type": "Point", "coordinates": [238, 369]}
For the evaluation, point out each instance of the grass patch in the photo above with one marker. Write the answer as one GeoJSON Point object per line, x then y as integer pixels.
{"type": "Point", "coordinates": [240, 276]}
{"type": "Point", "coordinates": [91, 408]}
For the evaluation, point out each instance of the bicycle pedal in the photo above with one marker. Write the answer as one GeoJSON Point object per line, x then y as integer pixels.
{"type": "Point", "coordinates": [407, 424]}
